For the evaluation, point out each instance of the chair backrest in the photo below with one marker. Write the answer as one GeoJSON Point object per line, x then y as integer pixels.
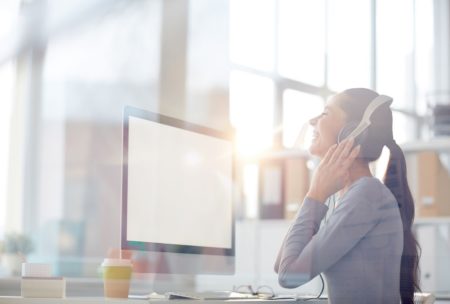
{"type": "Point", "coordinates": [424, 298]}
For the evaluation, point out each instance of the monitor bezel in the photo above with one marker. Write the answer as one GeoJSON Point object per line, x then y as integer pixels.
{"type": "Point", "coordinates": [130, 111]}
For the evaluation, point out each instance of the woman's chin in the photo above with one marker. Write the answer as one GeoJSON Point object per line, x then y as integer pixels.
{"type": "Point", "coordinates": [316, 150]}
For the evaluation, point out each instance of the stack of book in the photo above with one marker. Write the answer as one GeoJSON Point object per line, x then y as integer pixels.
{"type": "Point", "coordinates": [441, 120]}
{"type": "Point", "coordinates": [37, 282]}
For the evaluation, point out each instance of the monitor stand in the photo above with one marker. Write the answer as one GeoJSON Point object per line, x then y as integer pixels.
{"type": "Point", "coordinates": [163, 272]}
{"type": "Point", "coordinates": [145, 284]}
{"type": "Point", "coordinates": [152, 274]}
{"type": "Point", "coordinates": [164, 283]}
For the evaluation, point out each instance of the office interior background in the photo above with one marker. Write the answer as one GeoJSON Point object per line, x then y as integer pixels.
{"type": "Point", "coordinates": [259, 67]}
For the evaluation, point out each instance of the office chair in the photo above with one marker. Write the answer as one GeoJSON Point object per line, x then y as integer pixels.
{"type": "Point", "coordinates": [424, 298]}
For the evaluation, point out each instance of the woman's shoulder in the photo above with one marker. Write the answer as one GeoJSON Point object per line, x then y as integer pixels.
{"type": "Point", "coordinates": [368, 184]}
{"type": "Point", "coordinates": [371, 190]}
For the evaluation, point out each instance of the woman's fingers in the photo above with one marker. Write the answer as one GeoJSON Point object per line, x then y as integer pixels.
{"type": "Point", "coordinates": [355, 151]}
{"type": "Point", "coordinates": [347, 162]}
{"type": "Point", "coordinates": [342, 150]}
{"type": "Point", "coordinates": [329, 153]}
{"type": "Point", "coordinates": [347, 148]}
{"type": "Point", "coordinates": [333, 170]}
{"type": "Point", "coordinates": [342, 155]}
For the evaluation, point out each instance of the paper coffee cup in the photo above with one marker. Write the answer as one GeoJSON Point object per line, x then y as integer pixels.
{"type": "Point", "coordinates": [116, 277]}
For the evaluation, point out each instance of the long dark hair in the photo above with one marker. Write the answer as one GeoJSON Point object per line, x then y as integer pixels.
{"type": "Point", "coordinates": [353, 102]}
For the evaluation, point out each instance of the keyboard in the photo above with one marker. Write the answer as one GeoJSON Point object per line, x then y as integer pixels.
{"type": "Point", "coordinates": [209, 295]}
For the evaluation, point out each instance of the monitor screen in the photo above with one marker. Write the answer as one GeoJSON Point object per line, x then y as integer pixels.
{"type": "Point", "coordinates": [177, 186]}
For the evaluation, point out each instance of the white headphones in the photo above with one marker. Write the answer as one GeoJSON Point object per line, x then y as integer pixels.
{"type": "Point", "coordinates": [355, 129]}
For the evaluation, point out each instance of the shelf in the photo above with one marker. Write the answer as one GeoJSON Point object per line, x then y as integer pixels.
{"type": "Point", "coordinates": [445, 220]}
{"type": "Point", "coordinates": [418, 221]}
{"type": "Point", "coordinates": [441, 144]}
{"type": "Point", "coordinates": [432, 220]}
{"type": "Point", "coordinates": [287, 153]}
{"type": "Point", "coordinates": [281, 154]}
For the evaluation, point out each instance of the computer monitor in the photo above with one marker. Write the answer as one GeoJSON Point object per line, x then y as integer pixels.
{"type": "Point", "coordinates": [177, 194]}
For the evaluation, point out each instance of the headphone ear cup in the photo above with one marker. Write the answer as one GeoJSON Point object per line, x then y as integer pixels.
{"type": "Point", "coordinates": [361, 138]}
{"type": "Point", "coordinates": [348, 129]}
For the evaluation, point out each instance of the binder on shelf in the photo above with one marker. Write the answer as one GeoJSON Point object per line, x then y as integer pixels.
{"type": "Point", "coordinates": [271, 189]}
{"type": "Point", "coordinates": [297, 179]}
{"type": "Point", "coordinates": [429, 182]}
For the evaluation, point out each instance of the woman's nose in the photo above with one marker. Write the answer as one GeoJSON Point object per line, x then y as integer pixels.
{"type": "Point", "coordinates": [313, 121]}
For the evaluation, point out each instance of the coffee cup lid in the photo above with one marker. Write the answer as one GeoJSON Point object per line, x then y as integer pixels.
{"type": "Point", "coordinates": [116, 262]}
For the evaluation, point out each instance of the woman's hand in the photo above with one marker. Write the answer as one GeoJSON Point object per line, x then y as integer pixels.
{"type": "Point", "coordinates": [333, 170]}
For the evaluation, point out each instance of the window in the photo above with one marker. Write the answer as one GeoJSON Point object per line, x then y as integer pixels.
{"type": "Point", "coordinates": [207, 72]}
{"type": "Point", "coordinates": [85, 86]}
{"type": "Point", "coordinates": [250, 190]}
{"type": "Point", "coordinates": [252, 33]}
{"type": "Point", "coordinates": [7, 74]}
{"type": "Point", "coordinates": [8, 17]}
{"type": "Point", "coordinates": [289, 56]}
{"type": "Point", "coordinates": [298, 109]}
{"type": "Point", "coordinates": [395, 61]}
{"type": "Point", "coordinates": [98, 56]}
{"type": "Point", "coordinates": [423, 48]}
{"type": "Point", "coordinates": [323, 47]}
{"type": "Point", "coordinates": [395, 51]}
{"type": "Point", "coordinates": [301, 33]}
{"type": "Point", "coordinates": [349, 44]}
{"type": "Point", "coordinates": [252, 111]}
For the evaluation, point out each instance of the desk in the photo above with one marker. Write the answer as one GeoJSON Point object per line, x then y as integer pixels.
{"type": "Point", "coordinates": [98, 300]}
{"type": "Point", "coordinates": [87, 291]}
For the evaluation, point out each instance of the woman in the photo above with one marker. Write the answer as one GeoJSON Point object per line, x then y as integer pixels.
{"type": "Point", "coordinates": [366, 248]}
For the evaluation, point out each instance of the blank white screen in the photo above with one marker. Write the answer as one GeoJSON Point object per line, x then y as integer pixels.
{"type": "Point", "coordinates": [179, 186]}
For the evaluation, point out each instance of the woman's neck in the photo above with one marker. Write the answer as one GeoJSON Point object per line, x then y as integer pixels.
{"type": "Point", "coordinates": [358, 169]}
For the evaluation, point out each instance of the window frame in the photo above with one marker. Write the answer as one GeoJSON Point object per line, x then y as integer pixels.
{"type": "Point", "coordinates": [324, 91]}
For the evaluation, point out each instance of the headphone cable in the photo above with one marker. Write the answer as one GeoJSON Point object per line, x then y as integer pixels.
{"type": "Point", "coordinates": [321, 291]}
{"type": "Point", "coordinates": [323, 286]}
{"type": "Point", "coordinates": [330, 200]}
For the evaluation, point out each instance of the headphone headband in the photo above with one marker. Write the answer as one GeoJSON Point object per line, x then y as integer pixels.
{"type": "Point", "coordinates": [365, 121]}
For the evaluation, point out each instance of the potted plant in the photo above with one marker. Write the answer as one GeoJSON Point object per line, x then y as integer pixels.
{"type": "Point", "coordinates": [15, 248]}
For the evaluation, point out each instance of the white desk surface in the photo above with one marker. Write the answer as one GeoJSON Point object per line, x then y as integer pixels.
{"type": "Point", "coordinates": [99, 300]}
